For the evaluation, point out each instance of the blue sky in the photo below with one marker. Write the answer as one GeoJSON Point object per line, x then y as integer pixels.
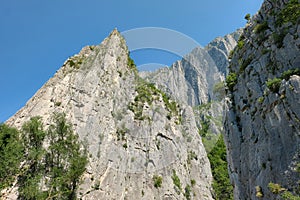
{"type": "Point", "coordinates": [36, 36]}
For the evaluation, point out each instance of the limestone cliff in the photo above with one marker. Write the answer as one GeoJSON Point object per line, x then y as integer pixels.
{"type": "Point", "coordinates": [134, 131]}
{"type": "Point", "coordinates": [192, 79]}
{"type": "Point", "coordinates": [262, 121]}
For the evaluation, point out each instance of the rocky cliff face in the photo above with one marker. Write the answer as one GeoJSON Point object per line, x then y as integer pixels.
{"type": "Point", "coordinates": [220, 48]}
{"type": "Point", "coordinates": [134, 132]}
{"type": "Point", "coordinates": [191, 80]}
{"type": "Point", "coordinates": [262, 122]}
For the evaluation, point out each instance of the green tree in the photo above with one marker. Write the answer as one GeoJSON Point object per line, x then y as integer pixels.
{"type": "Point", "coordinates": [65, 160]}
{"type": "Point", "coordinates": [221, 183]}
{"type": "Point", "coordinates": [33, 135]}
{"type": "Point", "coordinates": [11, 154]}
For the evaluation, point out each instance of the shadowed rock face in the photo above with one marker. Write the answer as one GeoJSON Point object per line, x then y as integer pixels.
{"type": "Point", "coordinates": [130, 140]}
{"type": "Point", "coordinates": [262, 122]}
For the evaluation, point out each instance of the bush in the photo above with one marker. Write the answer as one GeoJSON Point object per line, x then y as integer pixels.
{"type": "Point", "coordinates": [241, 42]}
{"type": "Point", "coordinates": [231, 80]}
{"type": "Point", "coordinates": [274, 84]}
{"type": "Point", "coordinates": [248, 17]}
{"type": "Point", "coordinates": [259, 28]}
{"type": "Point", "coordinates": [157, 181]}
{"type": "Point", "coordinates": [259, 192]}
{"type": "Point", "coordinates": [193, 182]}
{"type": "Point", "coordinates": [275, 188]}
{"type": "Point", "coordinates": [260, 99]}
{"type": "Point", "coordinates": [289, 196]}
{"type": "Point", "coordinates": [176, 180]}
{"type": "Point", "coordinates": [187, 192]}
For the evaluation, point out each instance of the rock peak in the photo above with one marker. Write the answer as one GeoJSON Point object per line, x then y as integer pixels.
{"type": "Point", "coordinates": [115, 32]}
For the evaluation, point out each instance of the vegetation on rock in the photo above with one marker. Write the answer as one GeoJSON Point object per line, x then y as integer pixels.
{"type": "Point", "coordinates": [290, 13]}
{"type": "Point", "coordinates": [231, 80]}
{"type": "Point", "coordinates": [147, 93]}
{"type": "Point", "coordinates": [157, 181]}
{"type": "Point", "coordinates": [221, 183]}
{"type": "Point", "coordinates": [278, 190]}
{"type": "Point", "coordinates": [274, 84]}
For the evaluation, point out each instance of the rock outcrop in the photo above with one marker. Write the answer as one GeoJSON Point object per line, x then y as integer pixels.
{"type": "Point", "coordinates": [262, 122]}
{"type": "Point", "coordinates": [134, 131]}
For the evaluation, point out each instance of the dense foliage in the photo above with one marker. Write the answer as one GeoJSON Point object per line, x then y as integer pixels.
{"type": "Point", "coordinates": [221, 183]}
{"type": "Point", "coordinates": [46, 173]}
{"type": "Point", "coordinates": [65, 160]}
{"type": "Point", "coordinates": [33, 135]}
{"type": "Point", "coordinates": [11, 151]}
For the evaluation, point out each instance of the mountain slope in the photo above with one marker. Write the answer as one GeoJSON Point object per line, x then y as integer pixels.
{"type": "Point", "coordinates": [135, 134]}
{"type": "Point", "coordinates": [262, 122]}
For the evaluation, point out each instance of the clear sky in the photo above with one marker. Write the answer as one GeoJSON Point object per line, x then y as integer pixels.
{"type": "Point", "coordinates": [36, 36]}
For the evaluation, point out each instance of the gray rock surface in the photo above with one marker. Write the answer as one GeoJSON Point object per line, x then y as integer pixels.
{"type": "Point", "coordinates": [191, 80]}
{"type": "Point", "coordinates": [220, 48]}
{"type": "Point", "coordinates": [262, 124]}
{"type": "Point", "coordinates": [96, 89]}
